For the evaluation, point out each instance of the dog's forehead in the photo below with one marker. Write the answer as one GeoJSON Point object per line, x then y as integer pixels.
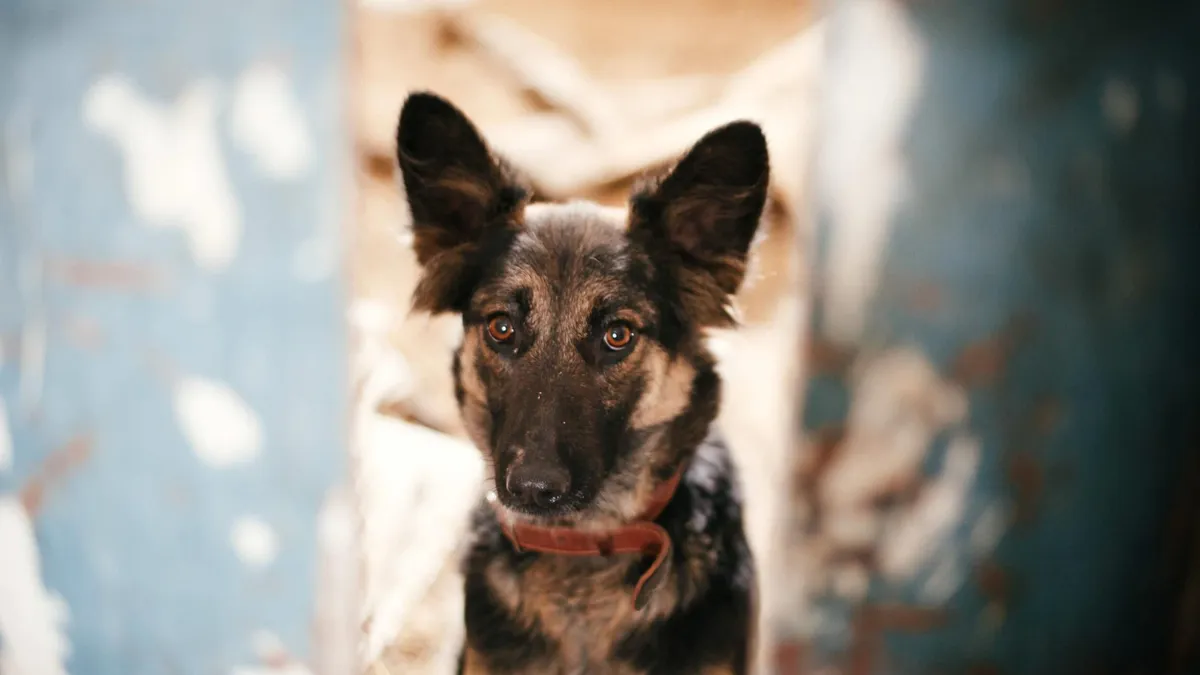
{"type": "Point", "coordinates": [563, 242]}
{"type": "Point", "coordinates": [567, 260]}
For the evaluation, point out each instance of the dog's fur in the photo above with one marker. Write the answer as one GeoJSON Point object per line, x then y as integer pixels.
{"type": "Point", "coordinates": [554, 399]}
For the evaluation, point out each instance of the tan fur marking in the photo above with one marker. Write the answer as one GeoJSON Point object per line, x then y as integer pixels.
{"type": "Point", "coordinates": [472, 664]}
{"type": "Point", "coordinates": [581, 602]}
{"type": "Point", "coordinates": [668, 388]}
{"type": "Point", "coordinates": [504, 584]}
{"type": "Point", "coordinates": [522, 276]}
{"type": "Point", "coordinates": [474, 409]}
{"type": "Point", "coordinates": [625, 495]}
{"type": "Point", "coordinates": [468, 372]}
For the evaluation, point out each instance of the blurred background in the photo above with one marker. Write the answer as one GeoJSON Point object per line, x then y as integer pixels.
{"type": "Point", "coordinates": [962, 398]}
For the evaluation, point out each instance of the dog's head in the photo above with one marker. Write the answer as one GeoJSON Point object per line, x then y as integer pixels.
{"type": "Point", "coordinates": [582, 374]}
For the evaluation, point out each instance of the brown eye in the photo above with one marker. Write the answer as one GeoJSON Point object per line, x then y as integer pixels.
{"type": "Point", "coordinates": [618, 336]}
{"type": "Point", "coordinates": [500, 328]}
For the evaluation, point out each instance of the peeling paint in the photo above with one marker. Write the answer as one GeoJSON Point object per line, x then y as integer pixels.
{"type": "Point", "coordinates": [254, 541]}
{"type": "Point", "coordinates": [127, 262]}
{"type": "Point", "coordinates": [1120, 104]}
{"type": "Point", "coordinates": [988, 529]}
{"type": "Point", "coordinates": [820, 623]}
{"type": "Point", "coordinates": [871, 622]}
{"type": "Point", "coordinates": [993, 582]}
{"type": "Point", "coordinates": [1027, 477]}
{"type": "Point", "coordinates": [1028, 447]}
{"type": "Point", "coordinates": [852, 527]}
{"type": "Point", "coordinates": [6, 442]}
{"type": "Point", "coordinates": [57, 465]}
{"type": "Point", "coordinates": [908, 545]}
{"type": "Point", "coordinates": [268, 647]}
{"type": "Point", "coordinates": [220, 427]}
{"type": "Point", "coordinates": [851, 581]}
{"type": "Point", "coordinates": [899, 404]}
{"type": "Point", "coordinates": [104, 274]}
{"type": "Point", "coordinates": [33, 619]}
{"type": "Point", "coordinates": [175, 174]}
{"type": "Point", "coordinates": [823, 357]}
{"type": "Point", "coordinates": [944, 580]}
{"type": "Point", "coordinates": [983, 362]}
{"type": "Point", "coordinates": [268, 122]}
{"type": "Point", "coordinates": [877, 61]}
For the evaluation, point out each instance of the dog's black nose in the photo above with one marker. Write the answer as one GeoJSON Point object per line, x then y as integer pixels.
{"type": "Point", "coordinates": [538, 485]}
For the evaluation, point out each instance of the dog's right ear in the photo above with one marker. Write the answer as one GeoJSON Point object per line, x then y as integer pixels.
{"type": "Point", "coordinates": [460, 196]}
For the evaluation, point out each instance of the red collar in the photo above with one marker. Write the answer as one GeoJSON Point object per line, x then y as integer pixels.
{"type": "Point", "coordinates": [641, 536]}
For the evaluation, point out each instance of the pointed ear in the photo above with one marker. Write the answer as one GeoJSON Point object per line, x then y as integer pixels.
{"type": "Point", "coordinates": [463, 200]}
{"type": "Point", "coordinates": [698, 222]}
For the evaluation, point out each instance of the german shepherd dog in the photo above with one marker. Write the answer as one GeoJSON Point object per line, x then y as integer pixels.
{"type": "Point", "coordinates": [612, 538]}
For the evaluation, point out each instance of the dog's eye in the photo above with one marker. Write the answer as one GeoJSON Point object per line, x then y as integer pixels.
{"type": "Point", "coordinates": [500, 328]}
{"type": "Point", "coordinates": [618, 336]}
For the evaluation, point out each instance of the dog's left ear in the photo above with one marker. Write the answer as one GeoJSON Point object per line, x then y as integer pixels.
{"type": "Point", "coordinates": [700, 220]}
{"type": "Point", "coordinates": [460, 195]}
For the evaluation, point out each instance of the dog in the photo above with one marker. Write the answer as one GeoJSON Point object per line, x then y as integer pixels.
{"type": "Point", "coordinates": [611, 540]}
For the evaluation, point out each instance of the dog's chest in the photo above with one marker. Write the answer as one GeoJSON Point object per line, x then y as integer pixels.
{"type": "Point", "coordinates": [585, 606]}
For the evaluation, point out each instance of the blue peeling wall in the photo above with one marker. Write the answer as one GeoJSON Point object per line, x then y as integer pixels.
{"type": "Point", "coordinates": [164, 260]}
{"type": "Point", "coordinates": [1040, 260]}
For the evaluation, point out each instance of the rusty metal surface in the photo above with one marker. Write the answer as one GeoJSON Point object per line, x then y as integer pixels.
{"type": "Point", "coordinates": [172, 374]}
{"type": "Point", "coordinates": [999, 473]}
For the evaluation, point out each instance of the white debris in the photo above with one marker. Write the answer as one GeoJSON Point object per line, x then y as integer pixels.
{"type": "Point", "coordinates": [254, 541]}
{"type": "Point", "coordinates": [268, 122]}
{"type": "Point", "coordinates": [33, 619]}
{"type": "Point", "coordinates": [220, 427]}
{"type": "Point", "coordinates": [175, 174]}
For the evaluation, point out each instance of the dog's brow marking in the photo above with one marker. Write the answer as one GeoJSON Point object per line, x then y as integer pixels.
{"type": "Point", "coordinates": [667, 391]}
